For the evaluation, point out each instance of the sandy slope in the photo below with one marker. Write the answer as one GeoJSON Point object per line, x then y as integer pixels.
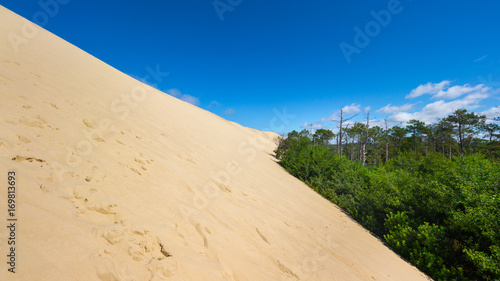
{"type": "Point", "coordinates": [118, 181]}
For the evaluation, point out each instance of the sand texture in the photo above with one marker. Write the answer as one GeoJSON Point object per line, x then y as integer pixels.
{"type": "Point", "coordinates": [119, 181]}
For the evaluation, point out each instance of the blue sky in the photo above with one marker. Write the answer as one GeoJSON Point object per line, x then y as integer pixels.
{"type": "Point", "coordinates": [282, 65]}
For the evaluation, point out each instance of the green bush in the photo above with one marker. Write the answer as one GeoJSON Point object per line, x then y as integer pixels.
{"type": "Point", "coordinates": [441, 214]}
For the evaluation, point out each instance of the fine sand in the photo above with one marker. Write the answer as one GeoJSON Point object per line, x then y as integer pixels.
{"type": "Point", "coordinates": [119, 181]}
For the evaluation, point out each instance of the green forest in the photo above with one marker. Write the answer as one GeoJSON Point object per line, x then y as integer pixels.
{"type": "Point", "coordinates": [429, 191]}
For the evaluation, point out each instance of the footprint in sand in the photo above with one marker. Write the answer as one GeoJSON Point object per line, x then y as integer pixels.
{"type": "Point", "coordinates": [262, 236]}
{"type": "Point", "coordinates": [200, 232]}
{"type": "Point", "coordinates": [88, 123]}
{"type": "Point", "coordinates": [12, 62]}
{"type": "Point", "coordinates": [93, 206]}
{"type": "Point", "coordinates": [37, 122]}
{"type": "Point", "coordinates": [8, 78]}
{"type": "Point", "coordinates": [141, 246]}
{"type": "Point", "coordinates": [142, 163]}
{"type": "Point", "coordinates": [106, 270]}
{"type": "Point", "coordinates": [23, 139]}
{"type": "Point", "coordinates": [28, 159]}
{"type": "Point", "coordinates": [225, 188]}
{"type": "Point", "coordinates": [95, 174]}
{"type": "Point", "coordinates": [288, 273]}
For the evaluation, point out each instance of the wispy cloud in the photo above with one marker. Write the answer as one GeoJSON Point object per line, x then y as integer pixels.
{"type": "Point", "coordinates": [457, 91]}
{"type": "Point", "coordinates": [450, 98]}
{"type": "Point", "coordinates": [190, 99]}
{"type": "Point", "coordinates": [229, 111]}
{"type": "Point", "coordinates": [439, 109]}
{"type": "Point", "coordinates": [185, 97]}
{"type": "Point", "coordinates": [429, 88]}
{"type": "Point", "coordinates": [313, 125]}
{"type": "Point", "coordinates": [174, 93]}
{"type": "Point", "coordinates": [443, 90]}
{"type": "Point", "coordinates": [492, 113]}
{"type": "Point", "coordinates": [481, 58]}
{"type": "Point", "coordinates": [392, 108]}
{"type": "Point", "coordinates": [352, 109]}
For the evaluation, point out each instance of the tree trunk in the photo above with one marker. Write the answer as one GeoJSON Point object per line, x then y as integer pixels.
{"type": "Point", "coordinates": [366, 137]}
{"type": "Point", "coordinates": [425, 146]}
{"type": "Point", "coordinates": [460, 138]}
{"type": "Point", "coordinates": [386, 152]}
{"type": "Point", "coordinates": [450, 145]}
{"type": "Point", "coordinates": [352, 149]}
{"type": "Point", "coordinates": [442, 144]}
{"type": "Point", "coordinates": [386, 142]}
{"type": "Point", "coordinates": [363, 153]}
{"type": "Point", "coordinates": [360, 148]}
{"type": "Point", "coordinates": [339, 147]}
{"type": "Point", "coordinates": [346, 142]}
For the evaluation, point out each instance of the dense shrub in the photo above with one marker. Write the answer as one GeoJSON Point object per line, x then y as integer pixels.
{"type": "Point", "coordinates": [441, 214]}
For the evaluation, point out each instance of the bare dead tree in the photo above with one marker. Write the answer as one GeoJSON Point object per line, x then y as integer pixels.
{"type": "Point", "coordinates": [386, 127]}
{"type": "Point", "coordinates": [340, 126]}
{"type": "Point", "coordinates": [310, 133]}
{"type": "Point", "coordinates": [365, 140]}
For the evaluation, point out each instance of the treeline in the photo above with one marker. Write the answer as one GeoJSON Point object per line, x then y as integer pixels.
{"type": "Point", "coordinates": [461, 133]}
{"type": "Point", "coordinates": [434, 195]}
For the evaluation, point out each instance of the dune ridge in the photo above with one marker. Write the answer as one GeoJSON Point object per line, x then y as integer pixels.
{"type": "Point", "coordinates": [119, 181]}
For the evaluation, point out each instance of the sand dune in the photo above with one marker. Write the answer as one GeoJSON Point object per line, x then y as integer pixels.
{"type": "Point", "coordinates": [119, 181]}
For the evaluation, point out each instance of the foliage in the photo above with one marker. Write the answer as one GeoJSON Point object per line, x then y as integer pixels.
{"type": "Point", "coordinates": [441, 214]}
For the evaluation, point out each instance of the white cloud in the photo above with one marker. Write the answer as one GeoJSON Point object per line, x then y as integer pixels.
{"type": "Point", "coordinates": [377, 122]}
{"type": "Point", "coordinates": [229, 111]}
{"type": "Point", "coordinates": [313, 125]}
{"type": "Point", "coordinates": [190, 99]}
{"type": "Point", "coordinates": [348, 109]}
{"type": "Point", "coordinates": [185, 97]}
{"type": "Point", "coordinates": [331, 118]}
{"type": "Point", "coordinates": [443, 90]}
{"type": "Point", "coordinates": [477, 96]}
{"type": "Point", "coordinates": [429, 88]}
{"type": "Point", "coordinates": [451, 98]}
{"type": "Point", "coordinates": [491, 113]}
{"type": "Point", "coordinates": [174, 93]}
{"type": "Point", "coordinates": [439, 109]}
{"type": "Point", "coordinates": [351, 109]}
{"type": "Point", "coordinates": [458, 91]}
{"type": "Point", "coordinates": [349, 123]}
{"type": "Point", "coordinates": [392, 109]}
